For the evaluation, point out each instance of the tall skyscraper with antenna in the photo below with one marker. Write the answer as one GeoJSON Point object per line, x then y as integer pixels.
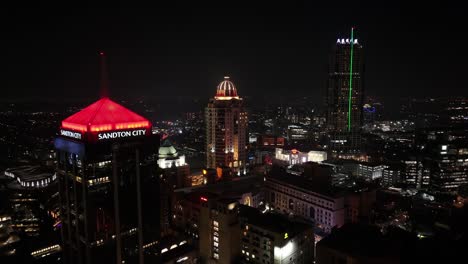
{"type": "Point", "coordinates": [345, 95]}
{"type": "Point", "coordinates": [108, 187]}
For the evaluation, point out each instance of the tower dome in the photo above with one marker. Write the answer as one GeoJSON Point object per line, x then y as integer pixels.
{"type": "Point", "coordinates": [167, 150]}
{"type": "Point", "coordinates": [226, 90]}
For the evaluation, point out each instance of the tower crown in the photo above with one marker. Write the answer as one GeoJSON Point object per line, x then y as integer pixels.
{"type": "Point", "coordinates": [226, 90]}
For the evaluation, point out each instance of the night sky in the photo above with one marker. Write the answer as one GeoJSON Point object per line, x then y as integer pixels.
{"type": "Point", "coordinates": [268, 48]}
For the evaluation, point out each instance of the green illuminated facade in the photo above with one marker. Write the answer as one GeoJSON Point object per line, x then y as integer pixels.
{"type": "Point", "coordinates": [350, 97]}
{"type": "Point", "coordinates": [345, 95]}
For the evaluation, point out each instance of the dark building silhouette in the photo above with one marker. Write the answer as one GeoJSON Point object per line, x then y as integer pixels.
{"type": "Point", "coordinates": [109, 193]}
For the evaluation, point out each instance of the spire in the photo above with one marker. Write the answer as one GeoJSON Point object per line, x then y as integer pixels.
{"type": "Point", "coordinates": [104, 86]}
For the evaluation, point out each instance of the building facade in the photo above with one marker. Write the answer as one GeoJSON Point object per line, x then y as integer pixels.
{"type": "Point", "coordinates": [345, 95]}
{"type": "Point", "coordinates": [448, 166]}
{"type": "Point", "coordinates": [370, 171]}
{"type": "Point", "coordinates": [226, 129]}
{"type": "Point", "coordinates": [219, 231]}
{"type": "Point", "coordinates": [274, 238]}
{"type": "Point", "coordinates": [106, 186]}
{"type": "Point", "coordinates": [296, 195]}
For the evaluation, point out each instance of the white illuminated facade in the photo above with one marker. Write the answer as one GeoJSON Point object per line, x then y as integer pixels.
{"type": "Point", "coordinates": [294, 156]}
{"type": "Point", "coordinates": [168, 157]}
{"type": "Point", "coordinates": [226, 128]}
{"type": "Point", "coordinates": [31, 176]}
{"type": "Point", "coordinates": [296, 197]}
{"type": "Point", "coordinates": [370, 171]}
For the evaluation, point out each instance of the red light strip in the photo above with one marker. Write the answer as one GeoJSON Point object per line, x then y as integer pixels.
{"type": "Point", "coordinates": [72, 126]}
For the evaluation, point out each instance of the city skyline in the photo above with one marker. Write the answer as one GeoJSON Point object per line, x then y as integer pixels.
{"type": "Point", "coordinates": [233, 132]}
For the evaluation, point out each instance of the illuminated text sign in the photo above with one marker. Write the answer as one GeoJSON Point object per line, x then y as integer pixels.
{"type": "Point", "coordinates": [121, 134]}
{"type": "Point", "coordinates": [71, 134]}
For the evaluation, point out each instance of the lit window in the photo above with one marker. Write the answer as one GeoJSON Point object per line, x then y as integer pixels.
{"type": "Point", "coordinates": [215, 223]}
{"type": "Point", "coordinates": [216, 255]}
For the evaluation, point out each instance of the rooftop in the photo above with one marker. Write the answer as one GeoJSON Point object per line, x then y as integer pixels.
{"type": "Point", "coordinates": [277, 223]}
{"type": "Point", "coordinates": [104, 115]}
{"type": "Point", "coordinates": [305, 184]}
{"type": "Point", "coordinates": [30, 172]}
{"type": "Point", "coordinates": [226, 90]}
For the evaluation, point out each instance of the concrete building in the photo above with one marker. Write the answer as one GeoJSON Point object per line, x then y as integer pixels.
{"type": "Point", "coordinates": [219, 231]}
{"type": "Point", "coordinates": [299, 196]}
{"type": "Point", "coordinates": [370, 171]}
{"type": "Point", "coordinates": [294, 156]}
{"type": "Point", "coordinates": [274, 238]}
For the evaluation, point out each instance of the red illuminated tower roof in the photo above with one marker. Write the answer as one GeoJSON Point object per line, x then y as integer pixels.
{"type": "Point", "coordinates": [104, 115]}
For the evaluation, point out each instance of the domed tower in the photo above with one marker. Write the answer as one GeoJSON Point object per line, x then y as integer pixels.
{"type": "Point", "coordinates": [226, 90]}
{"type": "Point", "coordinates": [226, 129]}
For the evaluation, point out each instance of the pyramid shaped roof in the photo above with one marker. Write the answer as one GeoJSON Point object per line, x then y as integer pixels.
{"type": "Point", "coordinates": [104, 115]}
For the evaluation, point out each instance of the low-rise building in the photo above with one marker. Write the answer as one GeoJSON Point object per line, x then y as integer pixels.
{"type": "Point", "coordinates": [297, 195]}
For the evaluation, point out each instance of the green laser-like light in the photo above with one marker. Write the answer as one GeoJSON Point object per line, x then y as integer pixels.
{"type": "Point", "coordinates": [350, 80]}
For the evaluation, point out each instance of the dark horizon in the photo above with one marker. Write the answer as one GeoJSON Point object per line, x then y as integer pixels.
{"type": "Point", "coordinates": [267, 49]}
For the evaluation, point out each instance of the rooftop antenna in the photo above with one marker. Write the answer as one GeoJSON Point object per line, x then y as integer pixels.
{"type": "Point", "coordinates": [104, 85]}
{"type": "Point", "coordinates": [350, 97]}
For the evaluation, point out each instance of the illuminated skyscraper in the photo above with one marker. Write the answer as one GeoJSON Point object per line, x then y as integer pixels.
{"type": "Point", "coordinates": [108, 192]}
{"type": "Point", "coordinates": [226, 128]}
{"type": "Point", "coordinates": [345, 96]}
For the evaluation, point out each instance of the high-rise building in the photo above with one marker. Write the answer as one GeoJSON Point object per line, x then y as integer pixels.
{"type": "Point", "coordinates": [226, 129]}
{"type": "Point", "coordinates": [344, 101]}
{"type": "Point", "coordinates": [448, 166]}
{"type": "Point", "coordinates": [108, 189]}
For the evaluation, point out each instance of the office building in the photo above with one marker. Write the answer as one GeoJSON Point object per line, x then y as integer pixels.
{"type": "Point", "coordinates": [297, 133]}
{"type": "Point", "coordinates": [219, 231]}
{"type": "Point", "coordinates": [274, 238]}
{"type": "Point", "coordinates": [448, 166]}
{"type": "Point", "coordinates": [345, 95]}
{"type": "Point", "coordinates": [370, 171]}
{"type": "Point", "coordinates": [391, 175]}
{"type": "Point", "coordinates": [303, 197]}
{"type": "Point", "coordinates": [107, 187]}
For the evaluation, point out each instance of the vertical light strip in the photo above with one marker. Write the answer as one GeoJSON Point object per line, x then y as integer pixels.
{"type": "Point", "coordinates": [350, 80]}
